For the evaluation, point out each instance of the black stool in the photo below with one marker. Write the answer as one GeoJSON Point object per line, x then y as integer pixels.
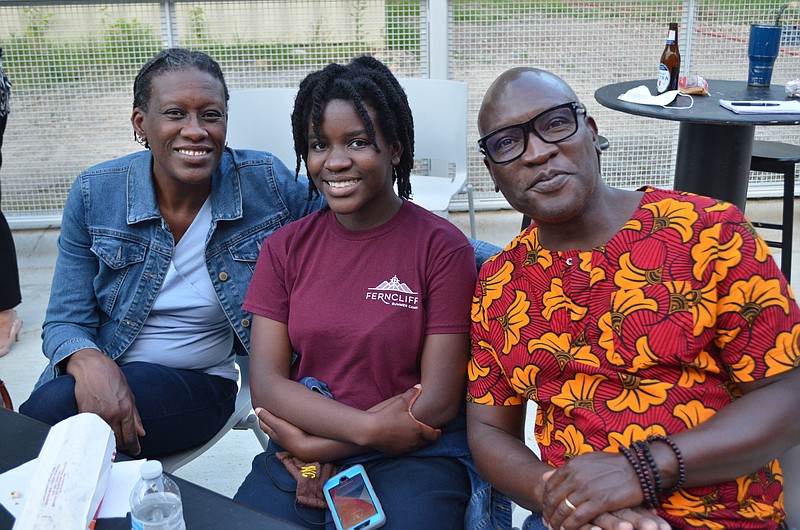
{"type": "Point", "coordinates": [779, 157]}
{"type": "Point", "coordinates": [603, 141]}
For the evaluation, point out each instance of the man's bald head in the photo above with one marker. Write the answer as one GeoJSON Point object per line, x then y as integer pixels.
{"type": "Point", "coordinates": [514, 83]}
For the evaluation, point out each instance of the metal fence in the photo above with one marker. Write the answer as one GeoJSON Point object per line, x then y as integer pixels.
{"type": "Point", "coordinates": [73, 63]}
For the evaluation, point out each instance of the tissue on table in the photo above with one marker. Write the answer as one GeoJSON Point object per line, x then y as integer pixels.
{"type": "Point", "coordinates": [70, 477]}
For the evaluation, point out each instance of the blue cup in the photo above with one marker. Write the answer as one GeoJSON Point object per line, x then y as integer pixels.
{"type": "Point", "coordinates": [763, 49]}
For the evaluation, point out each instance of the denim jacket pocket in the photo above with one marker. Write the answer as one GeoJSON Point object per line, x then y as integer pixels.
{"type": "Point", "coordinates": [116, 258]}
{"type": "Point", "coordinates": [247, 249]}
{"type": "Point", "coordinates": [117, 253]}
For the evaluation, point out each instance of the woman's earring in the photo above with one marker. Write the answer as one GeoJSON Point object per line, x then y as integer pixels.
{"type": "Point", "coordinates": [496, 188]}
{"type": "Point", "coordinates": [141, 140]}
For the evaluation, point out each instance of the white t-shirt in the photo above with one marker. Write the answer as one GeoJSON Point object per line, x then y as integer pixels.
{"type": "Point", "coordinates": [187, 327]}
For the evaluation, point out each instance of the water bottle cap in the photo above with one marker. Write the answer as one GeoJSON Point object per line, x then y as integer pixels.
{"type": "Point", "coordinates": [151, 469]}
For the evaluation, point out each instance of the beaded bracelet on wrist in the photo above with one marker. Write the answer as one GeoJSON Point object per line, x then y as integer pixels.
{"type": "Point", "coordinates": [644, 455]}
{"type": "Point", "coordinates": [648, 455]}
{"type": "Point", "coordinates": [681, 463]}
{"type": "Point", "coordinates": [643, 481]}
{"type": "Point", "coordinates": [647, 476]}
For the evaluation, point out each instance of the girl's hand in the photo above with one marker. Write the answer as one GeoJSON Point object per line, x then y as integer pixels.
{"type": "Point", "coordinates": [394, 428]}
{"type": "Point", "coordinates": [285, 434]}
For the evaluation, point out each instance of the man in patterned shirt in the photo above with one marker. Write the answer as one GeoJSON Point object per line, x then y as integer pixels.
{"type": "Point", "coordinates": [652, 329]}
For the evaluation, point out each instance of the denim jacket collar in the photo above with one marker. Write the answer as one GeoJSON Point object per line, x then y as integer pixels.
{"type": "Point", "coordinates": [226, 193]}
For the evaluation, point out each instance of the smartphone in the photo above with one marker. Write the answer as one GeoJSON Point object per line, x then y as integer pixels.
{"type": "Point", "coordinates": [352, 500]}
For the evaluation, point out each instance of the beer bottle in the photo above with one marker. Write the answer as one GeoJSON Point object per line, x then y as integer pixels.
{"type": "Point", "coordinates": [670, 64]}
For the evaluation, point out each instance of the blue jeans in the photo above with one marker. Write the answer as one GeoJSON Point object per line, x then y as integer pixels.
{"type": "Point", "coordinates": [483, 251]}
{"type": "Point", "coordinates": [424, 492]}
{"type": "Point", "coordinates": [179, 408]}
{"type": "Point", "coordinates": [534, 522]}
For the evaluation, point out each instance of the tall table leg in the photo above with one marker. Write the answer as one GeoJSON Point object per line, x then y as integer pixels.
{"type": "Point", "coordinates": [714, 160]}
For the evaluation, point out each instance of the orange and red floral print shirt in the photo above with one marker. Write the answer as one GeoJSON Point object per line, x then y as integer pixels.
{"type": "Point", "coordinates": [647, 334]}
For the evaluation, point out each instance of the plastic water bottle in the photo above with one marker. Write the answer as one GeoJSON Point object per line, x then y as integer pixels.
{"type": "Point", "coordinates": [156, 501]}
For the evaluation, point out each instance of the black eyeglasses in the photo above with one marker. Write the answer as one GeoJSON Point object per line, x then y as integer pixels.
{"type": "Point", "coordinates": [552, 126]}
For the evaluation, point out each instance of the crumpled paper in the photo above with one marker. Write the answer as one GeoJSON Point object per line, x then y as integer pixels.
{"type": "Point", "coordinates": [793, 88]}
{"type": "Point", "coordinates": [695, 85]}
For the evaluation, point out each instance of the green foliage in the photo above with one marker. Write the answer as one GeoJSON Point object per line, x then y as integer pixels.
{"type": "Point", "coordinates": [39, 56]}
{"type": "Point", "coordinates": [403, 25]}
{"type": "Point", "coordinates": [488, 11]}
{"type": "Point", "coordinates": [127, 44]}
{"type": "Point", "coordinates": [500, 10]}
{"type": "Point", "coordinates": [358, 9]}
{"type": "Point", "coordinates": [198, 30]}
{"type": "Point", "coordinates": [38, 22]}
{"type": "Point", "coordinates": [35, 57]}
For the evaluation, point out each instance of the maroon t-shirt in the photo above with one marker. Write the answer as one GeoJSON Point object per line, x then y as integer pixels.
{"type": "Point", "coordinates": [359, 304]}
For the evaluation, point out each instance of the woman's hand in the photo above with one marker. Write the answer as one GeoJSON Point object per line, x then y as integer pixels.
{"type": "Point", "coordinates": [101, 388]}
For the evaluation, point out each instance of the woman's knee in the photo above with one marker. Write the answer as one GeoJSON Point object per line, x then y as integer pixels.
{"type": "Point", "coordinates": [52, 402]}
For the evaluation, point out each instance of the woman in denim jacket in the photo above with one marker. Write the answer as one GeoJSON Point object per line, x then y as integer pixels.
{"type": "Point", "coordinates": [156, 252]}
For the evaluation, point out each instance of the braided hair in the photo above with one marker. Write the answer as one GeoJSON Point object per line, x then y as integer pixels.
{"type": "Point", "coordinates": [364, 81]}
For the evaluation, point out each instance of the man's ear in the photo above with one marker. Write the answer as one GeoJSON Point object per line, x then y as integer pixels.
{"type": "Point", "coordinates": [591, 126]}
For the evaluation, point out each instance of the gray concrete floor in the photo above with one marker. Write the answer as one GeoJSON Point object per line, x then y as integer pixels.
{"type": "Point", "coordinates": [224, 466]}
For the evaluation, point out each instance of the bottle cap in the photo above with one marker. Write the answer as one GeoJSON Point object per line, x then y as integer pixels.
{"type": "Point", "coordinates": [151, 469]}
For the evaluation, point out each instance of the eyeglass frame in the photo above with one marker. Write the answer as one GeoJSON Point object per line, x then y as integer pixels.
{"type": "Point", "coordinates": [527, 128]}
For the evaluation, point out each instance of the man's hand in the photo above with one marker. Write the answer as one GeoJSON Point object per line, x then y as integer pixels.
{"type": "Point", "coordinates": [595, 483]}
{"type": "Point", "coordinates": [101, 388]}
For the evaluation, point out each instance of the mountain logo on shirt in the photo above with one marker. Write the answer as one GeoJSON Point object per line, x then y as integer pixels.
{"type": "Point", "coordinates": [394, 292]}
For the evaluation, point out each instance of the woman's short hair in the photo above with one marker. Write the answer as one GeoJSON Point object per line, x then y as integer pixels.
{"type": "Point", "coordinates": [171, 60]}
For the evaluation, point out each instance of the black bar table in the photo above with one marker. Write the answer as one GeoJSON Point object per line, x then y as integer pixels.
{"type": "Point", "coordinates": [714, 144]}
{"type": "Point", "coordinates": [22, 438]}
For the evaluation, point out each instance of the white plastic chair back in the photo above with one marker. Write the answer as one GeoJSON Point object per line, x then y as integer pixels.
{"type": "Point", "coordinates": [439, 108]}
{"type": "Point", "coordinates": [261, 118]}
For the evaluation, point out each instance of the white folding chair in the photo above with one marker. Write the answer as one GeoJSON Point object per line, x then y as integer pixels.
{"type": "Point", "coordinates": [261, 118]}
{"type": "Point", "coordinates": [439, 108]}
{"type": "Point", "coordinates": [242, 418]}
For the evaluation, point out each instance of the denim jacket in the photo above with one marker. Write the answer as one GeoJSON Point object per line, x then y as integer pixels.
{"type": "Point", "coordinates": [115, 248]}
